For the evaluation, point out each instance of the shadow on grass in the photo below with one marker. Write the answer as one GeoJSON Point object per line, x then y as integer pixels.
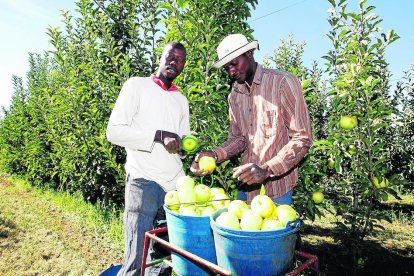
{"type": "Point", "coordinates": [336, 259]}
{"type": "Point", "coordinates": [405, 208]}
{"type": "Point", "coordinates": [7, 227]}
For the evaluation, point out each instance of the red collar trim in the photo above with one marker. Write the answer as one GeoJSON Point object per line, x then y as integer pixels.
{"type": "Point", "coordinates": [161, 84]}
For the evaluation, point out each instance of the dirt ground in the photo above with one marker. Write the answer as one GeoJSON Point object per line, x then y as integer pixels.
{"type": "Point", "coordinates": [36, 238]}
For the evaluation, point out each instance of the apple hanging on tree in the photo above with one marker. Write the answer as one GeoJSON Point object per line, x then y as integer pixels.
{"type": "Point", "coordinates": [317, 197]}
{"type": "Point", "coordinates": [348, 122]}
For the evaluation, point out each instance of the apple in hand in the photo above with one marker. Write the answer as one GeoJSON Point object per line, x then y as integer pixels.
{"type": "Point", "coordinates": [216, 190]}
{"type": "Point", "coordinates": [317, 197]}
{"type": "Point", "coordinates": [189, 143]}
{"type": "Point", "coordinates": [220, 201]}
{"type": "Point", "coordinates": [285, 213]}
{"type": "Point", "coordinates": [263, 205]}
{"type": "Point", "coordinates": [207, 163]}
{"type": "Point", "coordinates": [237, 207]}
{"type": "Point", "coordinates": [348, 122]}
{"type": "Point", "coordinates": [202, 192]}
{"type": "Point", "coordinates": [272, 224]}
{"type": "Point", "coordinates": [172, 200]}
{"type": "Point", "coordinates": [228, 220]}
{"type": "Point", "coordinates": [186, 195]}
{"type": "Point", "coordinates": [184, 181]}
{"type": "Point", "coordinates": [250, 220]}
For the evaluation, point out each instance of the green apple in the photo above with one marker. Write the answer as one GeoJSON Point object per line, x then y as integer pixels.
{"type": "Point", "coordinates": [317, 197]}
{"type": "Point", "coordinates": [184, 181]}
{"type": "Point", "coordinates": [190, 143]}
{"type": "Point", "coordinates": [186, 195]}
{"type": "Point", "coordinates": [263, 205]}
{"type": "Point", "coordinates": [348, 122]}
{"type": "Point", "coordinates": [285, 213]}
{"type": "Point", "coordinates": [219, 201]}
{"type": "Point", "coordinates": [250, 220]}
{"type": "Point", "coordinates": [172, 200]}
{"type": "Point", "coordinates": [331, 162]}
{"type": "Point", "coordinates": [202, 192]}
{"type": "Point", "coordinates": [216, 190]}
{"type": "Point", "coordinates": [207, 163]}
{"type": "Point", "coordinates": [237, 207]}
{"type": "Point", "coordinates": [206, 210]}
{"type": "Point", "coordinates": [189, 210]}
{"type": "Point", "coordinates": [380, 185]}
{"type": "Point", "coordinates": [352, 150]}
{"type": "Point", "coordinates": [228, 220]}
{"type": "Point", "coordinates": [271, 224]}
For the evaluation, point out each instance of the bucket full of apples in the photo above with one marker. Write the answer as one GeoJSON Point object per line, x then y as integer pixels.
{"type": "Point", "coordinates": [255, 239]}
{"type": "Point", "coordinates": [188, 210]}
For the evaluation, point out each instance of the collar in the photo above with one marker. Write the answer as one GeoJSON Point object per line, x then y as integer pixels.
{"type": "Point", "coordinates": [257, 79]}
{"type": "Point", "coordinates": [161, 84]}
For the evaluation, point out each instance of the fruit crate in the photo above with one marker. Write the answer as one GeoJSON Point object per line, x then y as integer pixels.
{"type": "Point", "coordinates": [306, 260]}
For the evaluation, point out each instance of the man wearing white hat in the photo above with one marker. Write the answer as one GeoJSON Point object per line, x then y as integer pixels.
{"type": "Point", "coordinates": [269, 123]}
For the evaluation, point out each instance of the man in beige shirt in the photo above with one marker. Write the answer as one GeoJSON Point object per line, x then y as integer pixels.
{"type": "Point", "coordinates": [269, 123]}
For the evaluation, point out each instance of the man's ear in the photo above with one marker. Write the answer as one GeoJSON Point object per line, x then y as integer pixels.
{"type": "Point", "coordinates": [249, 54]}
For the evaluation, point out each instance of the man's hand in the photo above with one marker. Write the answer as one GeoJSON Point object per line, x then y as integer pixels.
{"type": "Point", "coordinates": [171, 141]}
{"type": "Point", "coordinates": [251, 173]}
{"type": "Point", "coordinates": [195, 168]}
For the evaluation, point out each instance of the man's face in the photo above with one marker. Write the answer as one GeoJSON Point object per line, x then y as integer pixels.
{"type": "Point", "coordinates": [239, 69]}
{"type": "Point", "coordinates": [172, 62]}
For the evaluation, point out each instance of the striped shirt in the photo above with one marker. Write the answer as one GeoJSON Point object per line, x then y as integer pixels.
{"type": "Point", "coordinates": [269, 124]}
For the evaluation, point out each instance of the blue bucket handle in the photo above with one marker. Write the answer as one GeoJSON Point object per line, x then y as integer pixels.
{"type": "Point", "coordinates": [295, 223]}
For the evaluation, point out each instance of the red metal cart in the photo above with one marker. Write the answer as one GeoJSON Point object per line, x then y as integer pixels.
{"type": "Point", "coordinates": [309, 261]}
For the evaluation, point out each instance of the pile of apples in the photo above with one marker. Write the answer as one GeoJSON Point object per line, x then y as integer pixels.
{"type": "Point", "coordinates": [193, 199]}
{"type": "Point", "coordinates": [262, 214]}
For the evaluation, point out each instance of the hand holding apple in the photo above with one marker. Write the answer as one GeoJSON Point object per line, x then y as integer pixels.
{"type": "Point", "coordinates": [171, 141]}
{"type": "Point", "coordinates": [206, 166]}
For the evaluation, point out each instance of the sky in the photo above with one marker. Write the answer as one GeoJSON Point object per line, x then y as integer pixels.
{"type": "Point", "coordinates": [23, 25]}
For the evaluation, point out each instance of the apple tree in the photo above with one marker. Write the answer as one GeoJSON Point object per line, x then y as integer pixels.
{"type": "Point", "coordinates": [359, 80]}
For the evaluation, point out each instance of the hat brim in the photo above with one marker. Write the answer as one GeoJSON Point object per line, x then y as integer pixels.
{"type": "Point", "coordinates": [226, 59]}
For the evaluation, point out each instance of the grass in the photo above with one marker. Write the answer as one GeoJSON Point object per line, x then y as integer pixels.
{"type": "Point", "coordinates": [47, 233]}
{"type": "Point", "coordinates": [385, 252]}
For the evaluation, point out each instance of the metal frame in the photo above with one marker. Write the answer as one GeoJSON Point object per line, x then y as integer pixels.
{"type": "Point", "coordinates": [312, 261]}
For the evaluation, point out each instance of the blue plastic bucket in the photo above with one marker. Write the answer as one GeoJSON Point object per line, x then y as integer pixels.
{"type": "Point", "coordinates": [193, 234]}
{"type": "Point", "coordinates": [255, 253]}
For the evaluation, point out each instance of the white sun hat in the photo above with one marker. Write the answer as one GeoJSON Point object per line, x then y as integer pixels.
{"type": "Point", "coordinates": [233, 46]}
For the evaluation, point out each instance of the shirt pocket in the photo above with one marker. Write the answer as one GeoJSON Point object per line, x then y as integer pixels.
{"type": "Point", "coordinates": [268, 123]}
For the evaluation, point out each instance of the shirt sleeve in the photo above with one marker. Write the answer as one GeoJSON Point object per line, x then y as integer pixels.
{"type": "Point", "coordinates": [235, 144]}
{"type": "Point", "coordinates": [119, 130]}
{"type": "Point", "coordinates": [296, 118]}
